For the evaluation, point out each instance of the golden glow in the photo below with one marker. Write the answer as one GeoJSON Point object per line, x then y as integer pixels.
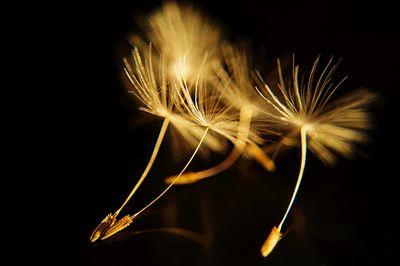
{"type": "Point", "coordinates": [184, 35]}
{"type": "Point", "coordinates": [202, 88]}
{"type": "Point", "coordinates": [181, 68]}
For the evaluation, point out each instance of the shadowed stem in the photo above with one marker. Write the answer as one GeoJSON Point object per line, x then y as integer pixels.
{"type": "Point", "coordinates": [199, 238]}
{"type": "Point", "coordinates": [149, 164]}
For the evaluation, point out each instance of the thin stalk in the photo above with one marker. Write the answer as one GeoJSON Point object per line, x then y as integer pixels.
{"type": "Point", "coordinates": [178, 176]}
{"type": "Point", "coordinates": [149, 164]}
{"type": "Point", "coordinates": [303, 133]}
{"type": "Point", "coordinates": [275, 235]}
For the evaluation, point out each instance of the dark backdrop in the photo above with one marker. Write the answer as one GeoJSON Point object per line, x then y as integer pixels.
{"type": "Point", "coordinates": [73, 145]}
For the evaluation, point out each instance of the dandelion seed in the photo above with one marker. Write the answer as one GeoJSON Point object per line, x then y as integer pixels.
{"type": "Point", "coordinates": [325, 127]}
{"type": "Point", "coordinates": [238, 92]}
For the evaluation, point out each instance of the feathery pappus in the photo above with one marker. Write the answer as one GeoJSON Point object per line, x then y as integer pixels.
{"type": "Point", "coordinates": [184, 35]}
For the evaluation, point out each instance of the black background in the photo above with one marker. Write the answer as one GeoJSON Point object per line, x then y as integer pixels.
{"type": "Point", "coordinates": [72, 144]}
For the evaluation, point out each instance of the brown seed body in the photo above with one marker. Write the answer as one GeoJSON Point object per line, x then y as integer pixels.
{"type": "Point", "coordinates": [271, 241]}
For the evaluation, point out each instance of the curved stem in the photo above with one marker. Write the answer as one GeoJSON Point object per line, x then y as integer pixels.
{"type": "Point", "coordinates": [246, 114]}
{"type": "Point", "coordinates": [222, 166]}
{"type": "Point", "coordinates": [149, 164]}
{"type": "Point", "coordinates": [260, 155]}
{"type": "Point", "coordinates": [303, 133]}
{"type": "Point", "coordinates": [178, 176]}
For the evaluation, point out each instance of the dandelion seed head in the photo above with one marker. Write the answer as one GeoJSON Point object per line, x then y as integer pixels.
{"type": "Point", "coordinates": [332, 126]}
{"type": "Point", "coordinates": [148, 83]}
{"type": "Point", "coordinates": [190, 109]}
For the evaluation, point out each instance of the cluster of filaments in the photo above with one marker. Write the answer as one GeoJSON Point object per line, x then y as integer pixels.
{"type": "Point", "coordinates": [203, 87]}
